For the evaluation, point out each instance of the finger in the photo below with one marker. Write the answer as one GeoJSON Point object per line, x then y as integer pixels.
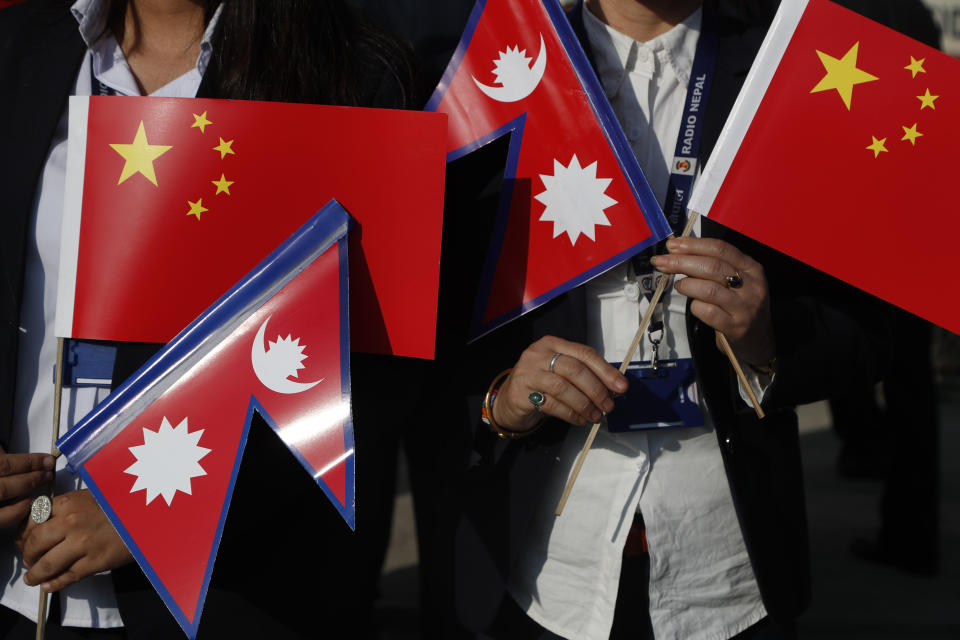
{"type": "Point", "coordinates": [13, 514]}
{"type": "Point", "coordinates": [552, 406]}
{"type": "Point", "coordinates": [593, 395]}
{"type": "Point", "coordinates": [68, 577]}
{"type": "Point", "coordinates": [695, 266]}
{"type": "Point", "coordinates": [22, 484]}
{"type": "Point", "coordinates": [713, 316]}
{"type": "Point", "coordinates": [14, 463]}
{"type": "Point", "coordinates": [713, 248]}
{"type": "Point", "coordinates": [608, 375]}
{"type": "Point", "coordinates": [730, 301]}
{"type": "Point", "coordinates": [513, 406]}
{"type": "Point", "coordinates": [40, 539]}
{"type": "Point", "coordinates": [53, 563]}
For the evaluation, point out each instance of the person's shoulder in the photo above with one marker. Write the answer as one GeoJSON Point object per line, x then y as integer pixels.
{"type": "Point", "coordinates": [23, 20]}
{"type": "Point", "coordinates": [31, 12]}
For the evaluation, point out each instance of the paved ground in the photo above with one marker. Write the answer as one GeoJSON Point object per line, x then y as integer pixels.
{"type": "Point", "coordinates": [853, 600]}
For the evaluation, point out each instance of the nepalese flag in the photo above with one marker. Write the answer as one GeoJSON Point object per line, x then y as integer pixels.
{"type": "Point", "coordinates": [170, 201]}
{"type": "Point", "coordinates": [837, 152]}
{"type": "Point", "coordinates": [161, 453]}
{"type": "Point", "coordinates": [575, 202]}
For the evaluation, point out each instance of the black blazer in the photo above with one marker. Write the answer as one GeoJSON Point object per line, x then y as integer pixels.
{"type": "Point", "coordinates": [827, 336]}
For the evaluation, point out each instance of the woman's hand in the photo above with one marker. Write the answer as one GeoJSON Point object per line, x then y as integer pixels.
{"type": "Point", "coordinates": [77, 541]}
{"type": "Point", "coordinates": [578, 389]}
{"type": "Point", "coordinates": [20, 475]}
{"type": "Point", "coordinates": [740, 311]}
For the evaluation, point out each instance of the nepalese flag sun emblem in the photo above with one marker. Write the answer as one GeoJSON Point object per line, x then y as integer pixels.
{"type": "Point", "coordinates": [574, 202]}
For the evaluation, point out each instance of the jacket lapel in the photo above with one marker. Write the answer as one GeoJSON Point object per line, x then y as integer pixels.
{"type": "Point", "coordinates": [39, 73]}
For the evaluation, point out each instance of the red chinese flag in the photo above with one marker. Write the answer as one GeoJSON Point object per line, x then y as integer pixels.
{"type": "Point", "coordinates": [834, 153]}
{"type": "Point", "coordinates": [575, 202]}
{"type": "Point", "coordinates": [170, 201]}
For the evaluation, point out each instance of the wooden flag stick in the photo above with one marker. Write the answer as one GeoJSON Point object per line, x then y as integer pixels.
{"type": "Point", "coordinates": [740, 376]}
{"type": "Point", "coordinates": [55, 434]}
{"type": "Point", "coordinates": [637, 337]}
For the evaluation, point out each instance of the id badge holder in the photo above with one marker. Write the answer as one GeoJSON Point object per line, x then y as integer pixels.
{"type": "Point", "coordinates": [662, 395]}
{"type": "Point", "coordinates": [88, 364]}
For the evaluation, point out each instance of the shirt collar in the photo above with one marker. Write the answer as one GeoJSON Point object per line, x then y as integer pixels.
{"type": "Point", "coordinates": [92, 20]}
{"type": "Point", "coordinates": [618, 54]}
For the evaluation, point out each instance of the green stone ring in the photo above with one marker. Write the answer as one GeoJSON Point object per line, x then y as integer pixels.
{"type": "Point", "coordinates": [537, 399]}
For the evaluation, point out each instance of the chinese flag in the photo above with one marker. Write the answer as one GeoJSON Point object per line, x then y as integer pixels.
{"type": "Point", "coordinates": [170, 201]}
{"type": "Point", "coordinates": [837, 153]}
{"type": "Point", "coordinates": [575, 202]}
{"type": "Point", "coordinates": [162, 453]}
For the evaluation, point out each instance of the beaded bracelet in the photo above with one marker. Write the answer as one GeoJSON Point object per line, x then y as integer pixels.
{"type": "Point", "coordinates": [486, 412]}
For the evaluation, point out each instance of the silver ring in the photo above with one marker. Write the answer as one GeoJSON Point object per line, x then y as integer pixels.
{"type": "Point", "coordinates": [40, 509]}
{"type": "Point", "coordinates": [735, 281]}
{"type": "Point", "coordinates": [537, 398]}
{"type": "Point", "coordinates": [553, 361]}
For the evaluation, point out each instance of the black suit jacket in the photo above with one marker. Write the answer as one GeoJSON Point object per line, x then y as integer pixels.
{"type": "Point", "coordinates": [819, 323]}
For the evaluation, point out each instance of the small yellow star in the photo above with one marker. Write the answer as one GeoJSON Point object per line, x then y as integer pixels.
{"type": "Point", "coordinates": [196, 208]}
{"type": "Point", "coordinates": [926, 100]}
{"type": "Point", "coordinates": [200, 121]}
{"type": "Point", "coordinates": [139, 156]}
{"type": "Point", "coordinates": [842, 74]}
{"type": "Point", "coordinates": [911, 134]}
{"type": "Point", "coordinates": [877, 146]}
{"type": "Point", "coordinates": [222, 185]}
{"type": "Point", "coordinates": [225, 148]}
{"type": "Point", "coordinates": [916, 66]}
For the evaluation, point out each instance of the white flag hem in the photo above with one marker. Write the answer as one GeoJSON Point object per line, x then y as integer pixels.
{"type": "Point", "coordinates": [72, 206]}
{"type": "Point", "coordinates": [745, 108]}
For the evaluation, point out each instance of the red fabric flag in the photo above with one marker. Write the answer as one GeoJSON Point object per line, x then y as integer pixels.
{"type": "Point", "coordinates": [170, 201]}
{"type": "Point", "coordinates": [574, 202]}
{"type": "Point", "coordinates": [836, 153]}
{"type": "Point", "coordinates": [162, 453]}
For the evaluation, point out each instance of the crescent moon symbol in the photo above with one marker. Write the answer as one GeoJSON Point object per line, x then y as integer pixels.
{"type": "Point", "coordinates": [518, 90]}
{"type": "Point", "coordinates": [269, 374]}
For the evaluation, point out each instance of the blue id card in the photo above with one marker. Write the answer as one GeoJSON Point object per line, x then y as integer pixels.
{"type": "Point", "coordinates": [658, 398]}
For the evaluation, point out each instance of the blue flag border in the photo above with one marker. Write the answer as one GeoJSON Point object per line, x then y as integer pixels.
{"type": "Point", "coordinates": [653, 214]}
{"type": "Point", "coordinates": [324, 229]}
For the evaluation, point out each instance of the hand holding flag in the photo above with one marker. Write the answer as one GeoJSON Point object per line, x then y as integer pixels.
{"type": "Point", "coordinates": [843, 129]}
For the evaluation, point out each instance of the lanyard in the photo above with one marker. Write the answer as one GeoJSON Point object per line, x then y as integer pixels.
{"type": "Point", "coordinates": [683, 168]}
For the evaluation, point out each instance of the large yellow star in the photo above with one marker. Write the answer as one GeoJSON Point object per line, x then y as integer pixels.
{"type": "Point", "coordinates": [200, 121]}
{"type": "Point", "coordinates": [877, 146]}
{"type": "Point", "coordinates": [926, 100]}
{"type": "Point", "coordinates": [916, 66]}
{"type": "Point", "coordinates": [196, 208]}
{"type": "Point", "coordinates": [225, 148]}
{"type": "Point", "coordinates": [911, 134]}
{"type": "Point", "coordinates": [139, 156]}
{"type": "Point", "coordinates": [222, 185]}
{"type": "Point", "coordinates": [842, 74]}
